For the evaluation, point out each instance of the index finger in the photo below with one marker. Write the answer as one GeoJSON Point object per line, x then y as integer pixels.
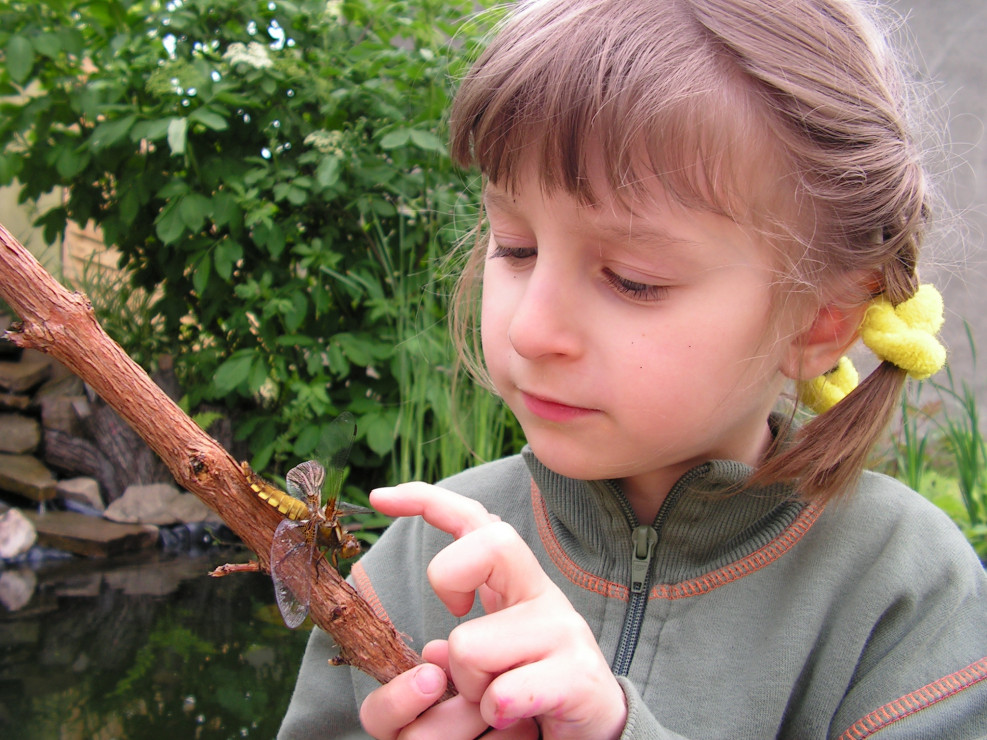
{"type": "Point", "coordinates": [444, 509]}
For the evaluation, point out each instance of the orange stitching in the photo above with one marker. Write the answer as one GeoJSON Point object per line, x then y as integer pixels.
{"type": "Point", "coordinates": [758, 559]}
{"type": "Point", "coordinates": [582, 578]}
{"type": "Point", "coordinates": [918, 700]}
{"type": "Point", "coordinates": [366, 589]}
{"type": "Point", "coordinates": [695, 587]}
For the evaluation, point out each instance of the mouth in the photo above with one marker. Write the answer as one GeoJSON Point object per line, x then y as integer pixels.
{"type": "Point", "coordinates": [551, 410]}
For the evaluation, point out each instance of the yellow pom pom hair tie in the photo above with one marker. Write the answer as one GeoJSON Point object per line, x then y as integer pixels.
{"type": "Point", "coordinates": [904, 335]}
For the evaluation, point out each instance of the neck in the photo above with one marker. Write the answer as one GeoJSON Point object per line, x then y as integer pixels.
{"type": "Point", "coordinates": [647, 492]}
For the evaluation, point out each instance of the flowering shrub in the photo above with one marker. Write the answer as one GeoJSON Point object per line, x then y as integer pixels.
{"type": "Point", "coordinates": [273, 172]}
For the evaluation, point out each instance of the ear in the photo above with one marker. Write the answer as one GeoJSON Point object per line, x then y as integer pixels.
{"type": "Point", "coordinates": [819, 347]}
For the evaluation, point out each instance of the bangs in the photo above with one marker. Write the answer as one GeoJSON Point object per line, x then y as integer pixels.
{"type": "Point", "coordinates": [567, 81]}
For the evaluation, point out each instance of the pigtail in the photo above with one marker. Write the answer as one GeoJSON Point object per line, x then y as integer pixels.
{"type": "Point", "coordinates": [825, 456]}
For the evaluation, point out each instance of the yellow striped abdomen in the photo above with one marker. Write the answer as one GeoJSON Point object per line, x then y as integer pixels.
{"type": "Point", "coordinates": [286, 504]}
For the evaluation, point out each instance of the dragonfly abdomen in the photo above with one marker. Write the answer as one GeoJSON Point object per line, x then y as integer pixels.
{"type": "Point", "coordinates": [290, 507]}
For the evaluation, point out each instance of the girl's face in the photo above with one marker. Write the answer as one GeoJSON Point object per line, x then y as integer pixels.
{"type": "Point", "coordinates": [630, 345]}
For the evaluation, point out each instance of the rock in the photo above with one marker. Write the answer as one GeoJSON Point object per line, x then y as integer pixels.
{"type": "Point", "coordinates": [82, 490]}
{"type": "Point", "coordinates": [26, 476]}
{"type": "Point", "coordinates": [17, 588]}
{"type": "Point", "coordinates": [159, 578]}
{"type": "Point", "coordinates": [89, 535]}
{"type": "Point", "coordinates": [64, 413]}
{"type": "Point", "coordinates": [20, 377]}
{"type": "Point", "coordinates": [8, 350]}
{"type": "Point", "coordinates": [15, 401]}
{"type": "Point", "coordinates": [19, 434]}
{"type": "Point", "coordinates": [61, 383]}
{"type": "Point", "coordinates": [77, 456]}
{"type": "Point", "coordinates": [189, 509]}
{"type": "Point", "coordinates": [157, 503]}
{"type": "Point", "coordinates": [17, 534]}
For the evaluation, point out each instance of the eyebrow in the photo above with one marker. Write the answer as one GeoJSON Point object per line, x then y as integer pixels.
{"type": "Point", "coordinates": [498, 199]}
{"type": "Point", "coordinates": [638, 238]}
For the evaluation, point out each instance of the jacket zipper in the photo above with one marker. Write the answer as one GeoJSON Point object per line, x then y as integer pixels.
{"type": "Point", "coordinates": [644, 541]}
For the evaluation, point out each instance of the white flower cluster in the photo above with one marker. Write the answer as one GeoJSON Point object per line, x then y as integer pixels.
{"type": "Point", "coordinates": [253, 54]}
{"type": "Point", "coordinates": [327, 142]}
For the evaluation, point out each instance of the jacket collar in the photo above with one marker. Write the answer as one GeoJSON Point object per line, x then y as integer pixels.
{"type": "Point", "coordinates": [708, 520]}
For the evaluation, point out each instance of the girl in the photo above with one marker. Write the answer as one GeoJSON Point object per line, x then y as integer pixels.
{"type": "Point", "coordinates": [688, 203]}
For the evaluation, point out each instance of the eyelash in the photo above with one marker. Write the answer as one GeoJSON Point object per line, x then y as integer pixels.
{"type": "Point", "coordinates": [637, 291]}
{"type": "Point", "coordinates": [633, 289]}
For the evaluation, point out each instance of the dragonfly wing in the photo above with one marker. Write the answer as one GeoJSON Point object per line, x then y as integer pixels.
{"type": "Point", "coordinates": [344, 508]}
{"type": "Point", "coordinates": [305, 481]}
{"type": "Point", "coordinates": [333, 450]}
{"type": "Point", "coordinates": [291, 558]}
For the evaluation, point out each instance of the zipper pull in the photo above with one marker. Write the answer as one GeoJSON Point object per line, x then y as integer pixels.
{"type": "Point", "coordinates": [644, 540]}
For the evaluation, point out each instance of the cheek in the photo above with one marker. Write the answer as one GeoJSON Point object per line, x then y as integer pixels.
{"type": "Point", "coordinates": [494, 323]}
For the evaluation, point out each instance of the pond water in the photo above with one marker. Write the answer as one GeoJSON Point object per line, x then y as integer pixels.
{"type": "Point", "coordinates": [145, 648]}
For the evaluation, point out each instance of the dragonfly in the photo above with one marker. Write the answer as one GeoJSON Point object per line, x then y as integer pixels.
{"type": "Point", "coordinates": [308, 527]}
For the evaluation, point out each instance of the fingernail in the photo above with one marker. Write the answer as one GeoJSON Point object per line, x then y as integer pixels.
{"type": "Point", "coordinates": [430, 679]}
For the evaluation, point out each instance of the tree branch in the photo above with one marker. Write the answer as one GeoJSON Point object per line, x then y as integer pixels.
{"type": "Point", "coordinates": [63, 325]}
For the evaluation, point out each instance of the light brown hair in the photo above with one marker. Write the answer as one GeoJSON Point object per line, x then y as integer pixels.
{"type": "Point", "coordinates": [727, 104]}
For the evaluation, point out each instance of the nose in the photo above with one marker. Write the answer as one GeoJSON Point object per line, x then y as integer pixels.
{"type": "Point", "coordinates": [546, 316]}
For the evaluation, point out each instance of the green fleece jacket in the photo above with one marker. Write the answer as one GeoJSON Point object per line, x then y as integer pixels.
{"type": "Point", "coordinates": [753, 616]}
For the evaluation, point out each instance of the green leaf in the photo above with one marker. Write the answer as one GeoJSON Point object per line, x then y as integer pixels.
{"type": "Point", "coordinates": [226, 255]}
{"type": "Point", "coordinates": [10, 165]}
{"type": "Point", "coordinates": [380, 431]}
{"type": "Point", "coordinates": [327, 173]}
{"type": "Point", "coordinates": [258, 375]}
{"type": "Point", "coordinates": [169, 225]}
{"type": "Point", "coordinates": [20, 58]}
{"type": "Point", "coordinates": [47, 44]}
{"type": "Point", "coordinates": [272, 239]}
{"type": "Point", "coordinates": [427, 140]}
{"type": "Point", "coordinates": [109, 133]}
{"type": "Point", "coordinates": [210, 119]}
{"type": "Point", "coordinates": [150, 130]}
{"type": "Point", "coordinates": [194, 208]}
{"type": "Point", "coordinates": [177, 135]}
{"type": "Point", "coordinates": [234, 371]}
{"type": "Point", "coordinates": [201, 272]}
{"type": "Point", "coordinates": [295, 316]}
{"type": "Point", "coordinates": [129, 204]}
{"type": "Point", "coordinates": [297, 196]}
{"type": "Point", "coordinates": [71, 160]}
{"type": "Point", "coordinates": [306, 440]}
{"type": "Point", "coordinates": [224, 209]}
{"type": "Point", "coordinates": [395, 138]}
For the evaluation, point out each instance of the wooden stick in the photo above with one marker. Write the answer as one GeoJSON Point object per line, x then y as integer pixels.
{"type": "Point", "coordinates": [62, 324]}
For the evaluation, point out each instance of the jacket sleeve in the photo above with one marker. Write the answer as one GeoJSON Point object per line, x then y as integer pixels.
{"type": "Point", "coordinates": [923, 672]}
{"type": "Point", "coordinates": [324, 701]}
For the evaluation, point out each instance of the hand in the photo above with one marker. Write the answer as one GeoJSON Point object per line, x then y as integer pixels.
{"type": "Point", "coordinates": [531, 656]}
{"type": "Point", "coordinates": [397, 711]}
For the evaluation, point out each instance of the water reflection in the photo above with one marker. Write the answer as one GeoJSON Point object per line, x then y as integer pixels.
{"type": "Point", "coordinates": [149, 648]}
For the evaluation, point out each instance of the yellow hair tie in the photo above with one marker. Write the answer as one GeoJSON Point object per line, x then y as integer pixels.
{"type": "Point", "coordinates": [822, 393]}
{"type": "Point", "coordinates": [904, 335]}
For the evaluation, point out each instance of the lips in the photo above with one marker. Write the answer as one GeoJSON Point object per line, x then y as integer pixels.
{"type": "Point", "coordinates": [555, 411]}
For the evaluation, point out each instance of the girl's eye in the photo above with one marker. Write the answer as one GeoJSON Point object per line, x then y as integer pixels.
{"type": "Point", "coordinates": [635, 290]}
{"type": "Point", "coordinates": [513, 254]}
